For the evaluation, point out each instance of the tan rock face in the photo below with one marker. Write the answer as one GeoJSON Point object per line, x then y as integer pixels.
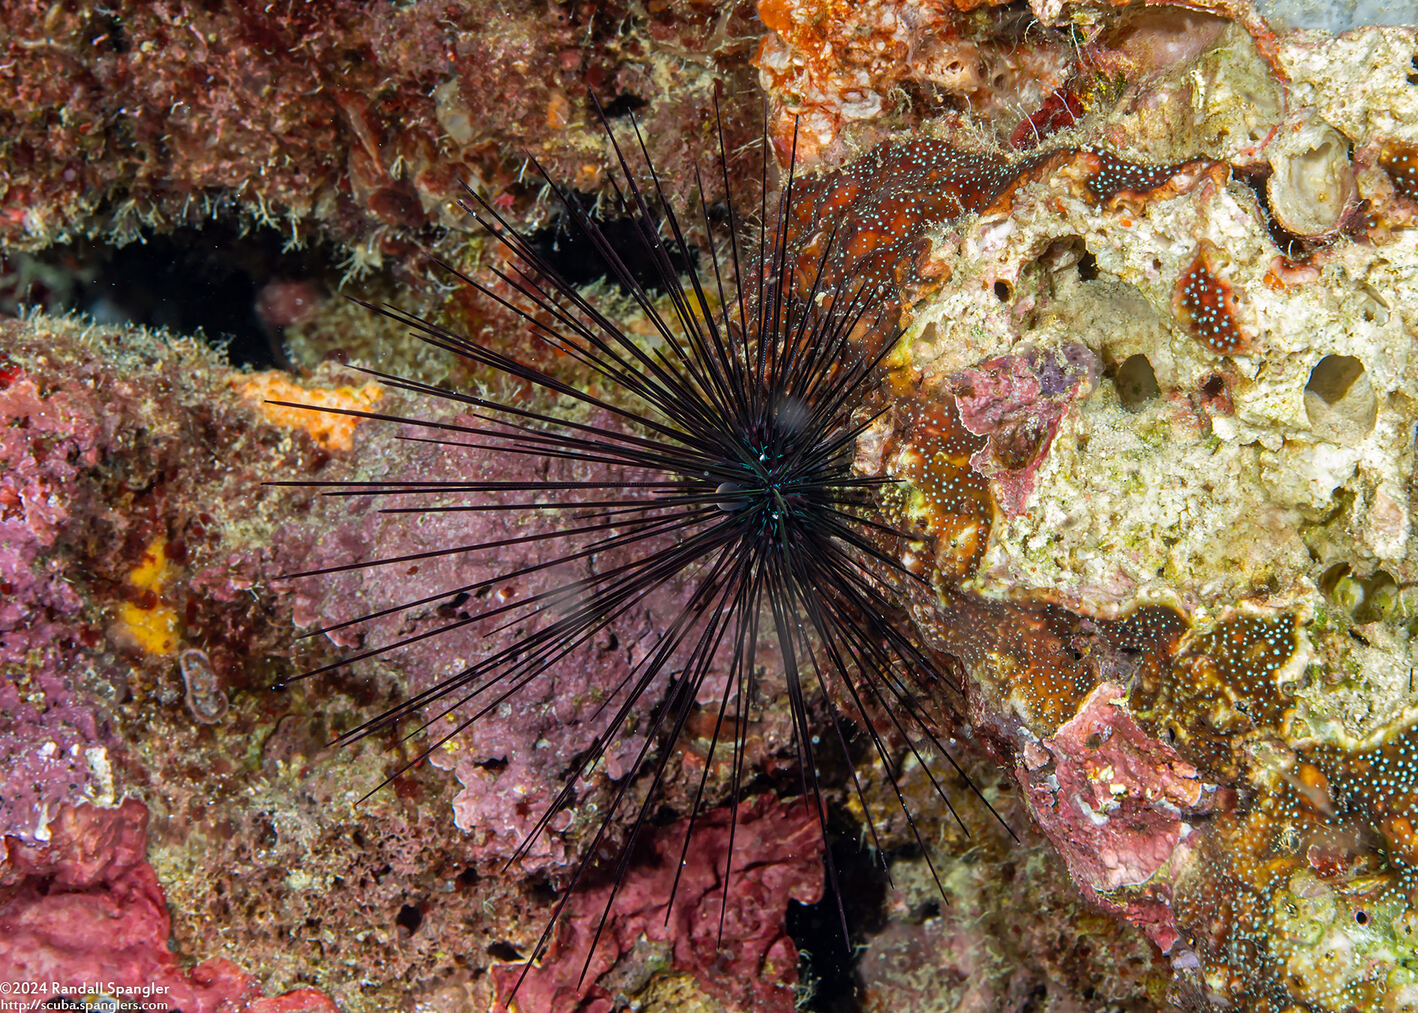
{"type": "Point", "coordinates": [1217, 514]}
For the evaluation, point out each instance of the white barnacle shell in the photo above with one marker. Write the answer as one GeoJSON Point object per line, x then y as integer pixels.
{"type": "Point", "coordinates": [1311, 185]}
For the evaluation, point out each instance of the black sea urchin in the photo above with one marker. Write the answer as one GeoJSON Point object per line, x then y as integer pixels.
{"type": "Point", "coordinates": [721, 442]}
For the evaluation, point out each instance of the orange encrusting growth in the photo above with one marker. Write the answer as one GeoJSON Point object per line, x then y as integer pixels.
{"type": "Point", "coordinates": [1401, 165]}
{"type": "Point", "coordinates": [1207, 306]}
{"type": "Point", "coordinates": [333, 432]}
{"type": "Point", "coordinates": [1221, 691]}
{"type": "Point", "coordinates": [954, 508]}
{"type": "Point", "coordinates": [1111, 180]}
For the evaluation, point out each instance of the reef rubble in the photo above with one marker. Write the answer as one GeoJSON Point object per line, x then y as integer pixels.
{"type": "Point", "coordinates": [1152, 416]}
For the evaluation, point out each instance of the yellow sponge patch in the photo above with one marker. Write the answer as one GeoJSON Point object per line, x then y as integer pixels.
{"type": "Point", "coordinates": [153, 627]}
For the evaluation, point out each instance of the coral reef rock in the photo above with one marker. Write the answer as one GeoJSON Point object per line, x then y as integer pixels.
{"type": "Point", "coordinates": [1155, 416]}
{"type": "Point", "coordinates": [1152, 412]}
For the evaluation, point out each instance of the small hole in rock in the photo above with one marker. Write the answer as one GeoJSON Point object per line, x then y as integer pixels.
{"type": "Point", "coordinates": [1331, 577]}
{"type": "Point", "coordinates": [504, 951]}
{"type": "Point", "coordinates": [1136, 382]}
{"type": "Point", "coordinates": [1333, 377]}
{"type": "Point", "coordinates": [1339, 399]}
{"type": "Point", "coordinates": [1003, 290]}
{"type": "Point", "coordinates": [410, 918]}
{"type": "Point", "coordinates": [1064, 253]}
{"type": "Point", "coordinates": [1088, 266]}
{"type": "Point", "coordinates": [1373, 307]}
{"type": "Point", "coordinates": [624, 104]}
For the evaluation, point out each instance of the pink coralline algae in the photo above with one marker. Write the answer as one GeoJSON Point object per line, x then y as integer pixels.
{"type": "Point", "coordinates": [46, 439]}
{"type": "Point", "coordinates": [83, 916]}
{"type": "Point", "coordinates": [1118, 805]}
{"type": "Point", "coordinates": [51, 740]}
{"type": "Point", "coordinates": [751, 966]}
{"type": "Point", "coordinates": [106, 474]}
{"type": "Point", "coordinates": [1017, 403]}
{"type": "Point", "coordinates": [502, 757]}
{"type": "Point", "coordinates": [252, 832]}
